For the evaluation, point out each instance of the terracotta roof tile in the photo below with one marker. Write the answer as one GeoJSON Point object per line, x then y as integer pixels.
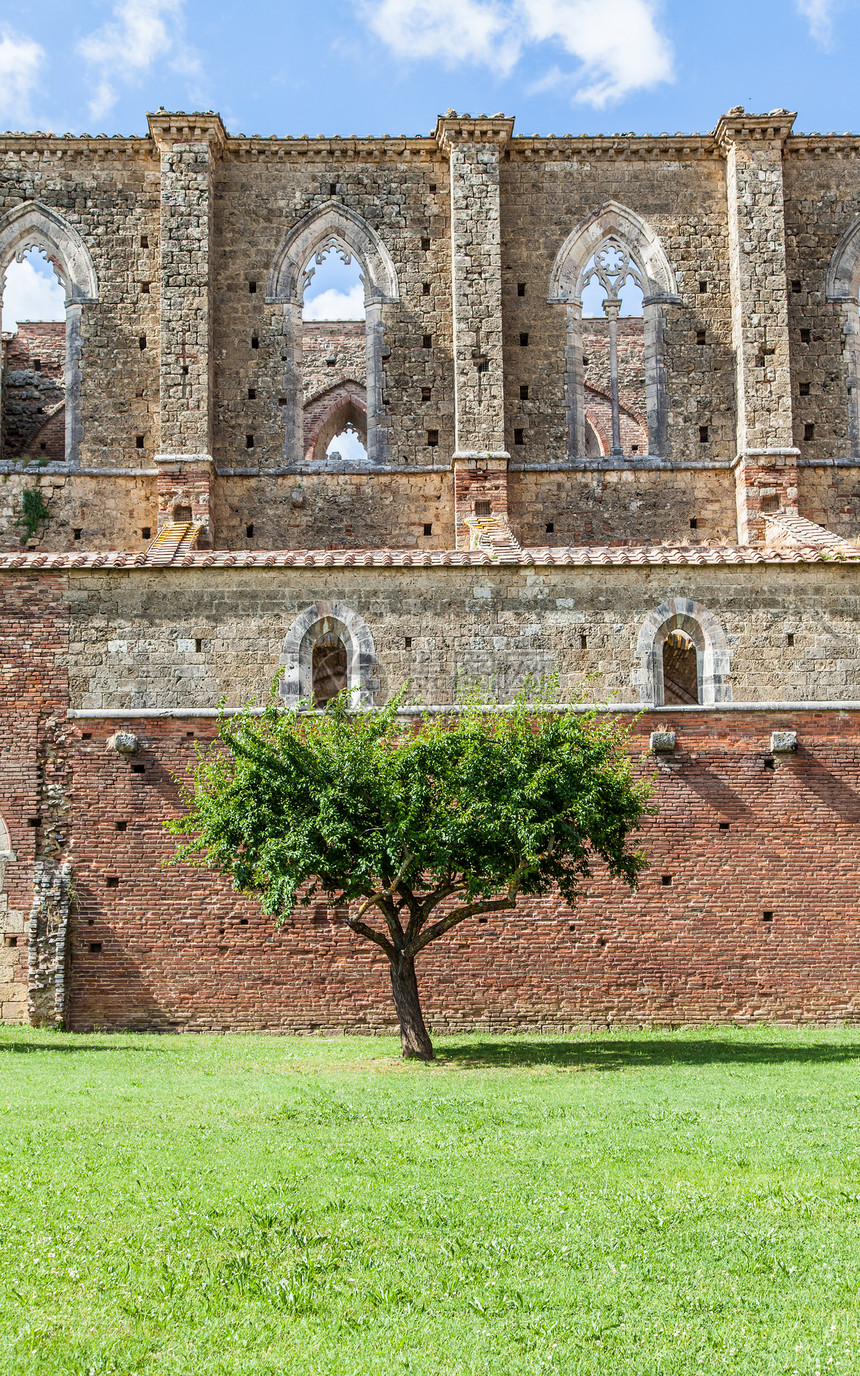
{"type": "Point", "coordinates": [583, 556]}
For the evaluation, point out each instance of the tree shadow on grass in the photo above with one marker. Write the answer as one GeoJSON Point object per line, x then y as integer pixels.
{"type": "Point", "coordinates": [611, 1053]}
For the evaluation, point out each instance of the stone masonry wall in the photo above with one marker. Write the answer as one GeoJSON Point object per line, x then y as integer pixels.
{"type": "Point", "coordinates": [132, 201]}
{"type": "Point", "coordinates": [133, 638]}
{"type": "Point", "coordinates": [623, 506]}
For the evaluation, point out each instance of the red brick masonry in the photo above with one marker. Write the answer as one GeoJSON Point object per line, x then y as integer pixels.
{"type": "Point", "coordinates": [736, 838]}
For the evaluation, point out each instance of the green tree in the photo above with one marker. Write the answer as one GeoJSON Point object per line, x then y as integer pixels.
{"type": "Point", "coordinates": [411, 828]}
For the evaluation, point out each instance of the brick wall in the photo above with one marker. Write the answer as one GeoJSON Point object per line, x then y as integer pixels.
{"type": "Point", "coordinates": [175, 948]}
{"type": "Point", "coordinates": [34, 780]}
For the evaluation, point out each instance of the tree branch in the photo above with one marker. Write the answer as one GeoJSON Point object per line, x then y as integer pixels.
{"type": "Point", "coordinates": [490, 905]}
{"type": "Point", "coordinates": [362, 929]}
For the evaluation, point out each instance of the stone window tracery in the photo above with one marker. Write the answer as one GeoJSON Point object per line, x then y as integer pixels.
{"type": "Point", "coordinates": [614, 255]}
{"type": "Point", "coordinates": [336, 230]}
{"type": "Point", "coordinates": [843, 290]}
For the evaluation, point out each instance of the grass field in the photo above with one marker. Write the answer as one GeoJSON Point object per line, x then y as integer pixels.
{"type": "Point", "coordinates": [673, 1202]}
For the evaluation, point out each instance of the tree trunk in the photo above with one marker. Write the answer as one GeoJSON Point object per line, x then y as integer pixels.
{"type": "Point", "coordinates": [414, 1040]}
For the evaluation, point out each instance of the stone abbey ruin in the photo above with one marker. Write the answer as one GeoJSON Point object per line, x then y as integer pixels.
{"type": "Point", "coordinates": [601, 419]}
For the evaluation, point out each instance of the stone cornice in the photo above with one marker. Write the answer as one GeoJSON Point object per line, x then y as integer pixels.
{"type": "Point", "coordinates": [167, 128]}
{"type": "Point", "coordinates": [452, 129]}
{"type": "Point", "coordinates": [739, 127]}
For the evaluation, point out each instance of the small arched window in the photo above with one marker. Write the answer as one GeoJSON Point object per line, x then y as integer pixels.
{"type": "Point", "coordinates": [329, 669]}
{"type": "Point", "coordinates": [680, 669]}
{"type": "Point", "coordinates": [682, 656]}
{"type": "Point", "coordinates": [327, 649]}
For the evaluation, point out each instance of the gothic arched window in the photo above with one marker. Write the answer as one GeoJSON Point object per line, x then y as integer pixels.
{"type": "Point", "coordinates": [611, 257]}
{"type": "Point", "coordinates": [40, 251]}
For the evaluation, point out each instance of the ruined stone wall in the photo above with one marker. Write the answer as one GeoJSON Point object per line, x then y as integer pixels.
{"type": "Point", "coordinates": [108, 190]}
{"type": "Point", "coordinates": [822, 201]}
{"type": "Point", "coordinates": [830, 496]}
{"type": "Point", "coordinates": [333, 352]}
{"type": "Point", "coordinates": [33, 387]}
{"type": "Point", "coordinates": [244, 196]}
{"type": "Point", "coordinates": [265, 188]}
{"type": "Point", "coordinates": [548, 187]}
{"type": "Point", "coordinates": [133, 639]}
{"type": "Point", "coordinates": [721, 927]}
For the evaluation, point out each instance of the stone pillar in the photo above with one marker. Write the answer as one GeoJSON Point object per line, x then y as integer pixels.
{"type": "Point", "coordinates": [473, 147]}
{"type": "Point", "coordinates": [189, 146]}
{"type": "Point", "coordinates": [766, 462]}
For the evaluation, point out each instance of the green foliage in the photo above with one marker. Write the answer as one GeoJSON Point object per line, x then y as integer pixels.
{"type": "Point", "coordinates": [400, 815]}
{"type": "Point", "coordinates": [33, 512]}
{"type": "Point", "coordinates": [633, 1203]}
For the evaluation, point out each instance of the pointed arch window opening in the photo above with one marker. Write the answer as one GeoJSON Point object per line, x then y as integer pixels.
{"type": "Point", "coordinates": [34, 225]}
{"type": "Point", "coordinates": [612, 274]}
{"type": "Point", "coordinates": [33, 298]}
{"type": "Point", "coordinates": [337, 293]}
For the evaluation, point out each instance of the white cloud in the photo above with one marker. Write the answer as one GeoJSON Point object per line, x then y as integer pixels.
{"type": "Point", "coordinates": [125, 49]}
{"type": "Point", "coordinates": [452, 30]}
{"type": "Point", "coordinates": [617, 42]}
{"type": "Point", "coordinates": [32, 293]}
{"type": "Point", "coordinates": [820, 16]}
{"type": "Point", "coordinates": [21, 62]}
{"type": "Point", "coordinates": [335, 305]}
{"type": "Point", "coordinates": [348, 444]}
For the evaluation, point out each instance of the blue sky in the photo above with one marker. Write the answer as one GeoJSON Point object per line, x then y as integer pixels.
{"type": "Point", "coordinates": [390, 66]}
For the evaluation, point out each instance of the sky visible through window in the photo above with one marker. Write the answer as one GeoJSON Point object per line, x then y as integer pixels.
{"type": "Point", "coordinates": [336, 291]}
{"type": "Point", "coordinates": [32, 292]}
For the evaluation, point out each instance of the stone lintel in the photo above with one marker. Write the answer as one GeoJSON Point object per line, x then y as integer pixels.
{"type": "Point", "coordinates": [168, 128]}
{"type": "Point", "coordinates": [480, 458]}
{"type": "Point", "coordinates": [182, 462]}
{"type": "Point", "coordinates": [737, 126]}
{"type": "Point", "coordinates": [452, 128]}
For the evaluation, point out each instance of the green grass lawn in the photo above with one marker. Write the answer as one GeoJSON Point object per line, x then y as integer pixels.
{"type": "Point", "coordinates": [625, 1202]}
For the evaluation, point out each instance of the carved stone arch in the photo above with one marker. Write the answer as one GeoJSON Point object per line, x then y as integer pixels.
{"type": "Point", "coordinates": [327, 413]}
{"type": "Point", "coordinates": [336, 224]}
{"type": "Point", "coordinates": [640, 240]}
{"type": "Point", "coordinates": [34, 225]}
{"type": "Point", "coordinates": [321, 621]}
{"type": "Point", "coordinates": [843, 290]}
{"type": "Point", "coordinates": [712, 651]}
{"type": "Point", "coordinates": [843, 277]}
{"type": "Point", "coordinates": [612, 220]}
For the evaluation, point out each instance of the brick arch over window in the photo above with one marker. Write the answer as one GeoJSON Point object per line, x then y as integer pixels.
{"type": "Point", "coordinates": [34, 225]}
{"type": "Point", "coordinates": [334, 226]}
{"type": "Point", "coordinates": [843, 290]}
{"type": "Point", "coordinates": [329, 413]}
{"type": "Point", "coordinates": [614, 221]}
{"type": "Point", "coordinates": [319, 623]}
{"type": "Point", "coordinates": [712, 651]}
